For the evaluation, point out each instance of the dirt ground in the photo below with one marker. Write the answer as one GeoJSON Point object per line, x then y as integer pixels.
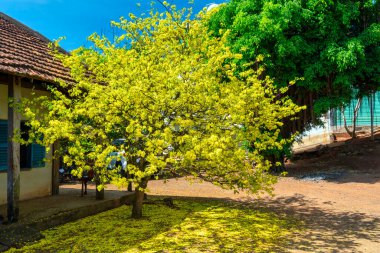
{"type": "Point", "coordinates": [335, 191]}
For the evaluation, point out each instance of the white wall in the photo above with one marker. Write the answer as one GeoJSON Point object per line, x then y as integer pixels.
{"type": "Point", "coordinates": [34, 182]}
{"type": "Point", "coordinates": [315, 136]}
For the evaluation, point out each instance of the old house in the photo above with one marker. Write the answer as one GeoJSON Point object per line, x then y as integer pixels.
{"type": "Point", "coordinates": [26, 67]}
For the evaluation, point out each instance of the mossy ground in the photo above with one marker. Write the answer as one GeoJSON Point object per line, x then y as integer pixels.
{"type": "Point", "coordinates": [194, 226]}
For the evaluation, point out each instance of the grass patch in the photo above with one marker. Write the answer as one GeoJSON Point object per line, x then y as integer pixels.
{"type": "Point", "coordinates": [195, 226]}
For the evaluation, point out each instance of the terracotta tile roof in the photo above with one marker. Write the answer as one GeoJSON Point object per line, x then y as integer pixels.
{"type": "Point", "coordinates": [25, 52]}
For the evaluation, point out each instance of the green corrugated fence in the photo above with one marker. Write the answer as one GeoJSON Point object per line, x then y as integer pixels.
{"type": "Point", "coordinates": [364, 116]}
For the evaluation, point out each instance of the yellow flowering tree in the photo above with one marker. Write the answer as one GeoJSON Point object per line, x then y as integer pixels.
{"type": "Point", "coordinates": [169, 90]}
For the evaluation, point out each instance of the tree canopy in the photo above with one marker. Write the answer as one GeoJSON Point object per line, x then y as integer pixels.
{"type": "Point", "coordinates": [164, 86]}
{"type": "Point", "coordinates": [332, 46]}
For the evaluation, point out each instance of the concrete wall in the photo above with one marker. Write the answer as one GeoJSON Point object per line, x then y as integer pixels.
{"type": "Point", "coordinates": [315, 137]}
{"type": "Point", "coordinates": [34, 182]}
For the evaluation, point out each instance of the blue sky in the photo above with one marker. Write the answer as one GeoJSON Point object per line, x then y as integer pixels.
{"type": "Point", "coordinates": [77, 19]}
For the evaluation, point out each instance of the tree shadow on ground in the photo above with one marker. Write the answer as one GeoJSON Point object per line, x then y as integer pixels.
{"type": "Point", "coordinates": [322, 230]}
{"type": "Point", "coordinates": [188, 226]}
{"type": "Point", "coordinates": [205, 225]}
{"type": "Point", "coordinates": [110, 231]}
{"type": "Point", "coordinates": [325, 230]}
{"type": "Point", "coordinates": [222, 226]}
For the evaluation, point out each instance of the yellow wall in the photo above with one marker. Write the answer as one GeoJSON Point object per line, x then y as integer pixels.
{"type": "Point", "coordinates": [34, 182]}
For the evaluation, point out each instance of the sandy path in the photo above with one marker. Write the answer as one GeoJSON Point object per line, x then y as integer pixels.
{"type": "Point", "coordinates": [342, 197]}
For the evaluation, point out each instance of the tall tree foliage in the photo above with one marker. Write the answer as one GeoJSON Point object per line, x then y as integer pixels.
{"type": "Point", "coordinates": [333, 46]}
{"type": "Point", "coordinates": [164, 87]}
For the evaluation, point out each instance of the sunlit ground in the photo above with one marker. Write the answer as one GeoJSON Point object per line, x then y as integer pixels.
{"type": "Point", "coordinates": [194, 226]}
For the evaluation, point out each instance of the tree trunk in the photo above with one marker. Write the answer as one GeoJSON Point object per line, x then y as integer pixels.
{"type": "Point", "coordinates": [98, 194]}
{"type": "Point", "coordinates": [311, 107]}
{"type": "Point", "coordinates": [130, 187]}
{"type": "Point", "coordinates": [138, 199]}
{"type": "Point", "coordinates": [55, 171]}
{"type": "Point", "coordinates": [345, 121]}
{"type": "Point", "coordinates": [372, 116]}
{"type": "Point", "coordinates": [128, 176]}
{"type": "Point", "coordinates": [274, 159]}
{"type": "Point", "coordinates": [356, 111]}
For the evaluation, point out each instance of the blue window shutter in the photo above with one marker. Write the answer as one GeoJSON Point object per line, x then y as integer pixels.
{"type": "Point", "coordinates": [37, 156]}
{"type": "Point", "coordinates": [3, 145]}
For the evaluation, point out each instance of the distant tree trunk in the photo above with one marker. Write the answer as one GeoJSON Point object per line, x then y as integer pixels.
{"type": "Point", "coordinates": [138, 200]}
{"type": "Point", "coordinates": [356, 111]}
{"type": "Point", "coordinates": [345, 121]}
{"type": "Point", "coordinates": [372, 116]}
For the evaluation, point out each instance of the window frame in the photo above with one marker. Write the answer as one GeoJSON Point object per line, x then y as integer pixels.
{"type": "Point", "coordinates": [32, 151]}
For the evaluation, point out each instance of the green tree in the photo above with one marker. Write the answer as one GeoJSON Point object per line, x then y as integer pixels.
{"type": "Point", "coordinates": [164, 87]}
{"type": "Point", "coordinates": [332, 46]}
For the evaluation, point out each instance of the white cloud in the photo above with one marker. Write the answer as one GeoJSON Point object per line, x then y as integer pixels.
{"type": "Point", "coordinates": [211, 6]}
